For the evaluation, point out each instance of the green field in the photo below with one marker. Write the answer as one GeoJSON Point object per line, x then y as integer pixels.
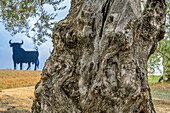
{"type": "Point", "coordinates": [153, 78]}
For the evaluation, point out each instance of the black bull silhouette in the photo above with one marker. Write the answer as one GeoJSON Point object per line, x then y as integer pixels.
{"type": "Point", "coordinates": [22, 56]}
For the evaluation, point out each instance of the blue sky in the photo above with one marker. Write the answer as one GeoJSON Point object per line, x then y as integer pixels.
{"type": "Point", "coordinates": [6, 61]}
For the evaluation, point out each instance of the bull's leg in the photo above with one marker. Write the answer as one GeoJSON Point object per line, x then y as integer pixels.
{"type": "Point", "coordinates": [35, 66]}
{"type": "Point", "coordinates": [29, 64]}
{"type": "Point", "coordinates": [20, 66]}
{"type": "Point", "coordinates": [14, 66]}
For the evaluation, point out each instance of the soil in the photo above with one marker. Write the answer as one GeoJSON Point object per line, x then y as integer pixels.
{"type": "Point", "coordinates": [16, 100]}
{"type": "Point", "coordinates": [161, 97]}
{"type": "Point", "coordinates": [19, 100]}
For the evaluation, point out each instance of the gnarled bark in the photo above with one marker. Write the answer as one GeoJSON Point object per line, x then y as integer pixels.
{"type": "Point", "coordinates": [99, 60]}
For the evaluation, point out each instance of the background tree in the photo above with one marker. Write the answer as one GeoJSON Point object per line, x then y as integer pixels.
{"type": "Point", "coordinates": [17, 16]}
{"type": "Point", "coordinates": [162, 54]}
{"type": "Point", "coordinates": [99, 60]}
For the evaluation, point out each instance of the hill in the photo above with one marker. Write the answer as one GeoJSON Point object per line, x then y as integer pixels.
{"type": "Point", "coordinates": [18, 78]}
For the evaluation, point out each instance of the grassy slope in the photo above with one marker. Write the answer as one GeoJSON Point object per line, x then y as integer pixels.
{"type": "Point", "coordinates": [18, 78]}
{"type": "Point", "coordinates": [159, 90]}
{"type": "Point", "coordinates": [12, 98]}
{"type": "Point", "coordinates": [20, 99]}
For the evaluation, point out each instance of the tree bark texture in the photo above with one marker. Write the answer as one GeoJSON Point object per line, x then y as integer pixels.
{"type": "Point", "coordinates": [99, 60]}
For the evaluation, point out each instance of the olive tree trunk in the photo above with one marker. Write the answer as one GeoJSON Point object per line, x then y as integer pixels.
{"type": "Point", "coordinates": [99, 60]}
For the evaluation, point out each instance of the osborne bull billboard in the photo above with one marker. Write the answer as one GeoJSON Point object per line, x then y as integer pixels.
{"type": "Point", "coordinates": [21, 56]}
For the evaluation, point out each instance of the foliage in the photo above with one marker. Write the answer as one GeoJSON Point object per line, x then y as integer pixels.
{"type": "Point", "coordinates": [162, 54]}
{"type": "Point", "coordinates": [18, 15]}
{"type": "Point", "coordinates": [164, 51]}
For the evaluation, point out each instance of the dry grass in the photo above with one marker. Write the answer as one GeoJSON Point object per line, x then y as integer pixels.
{"type": "Point", "coordinates": [18, 78]}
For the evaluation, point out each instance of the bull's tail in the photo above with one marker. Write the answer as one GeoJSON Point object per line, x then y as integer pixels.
{"type": "Point", "coordinates": [37, 63]}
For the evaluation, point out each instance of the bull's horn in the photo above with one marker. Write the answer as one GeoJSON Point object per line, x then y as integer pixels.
{"type": "Point", "coordinates": [22, 42]}
{"type": "Point", "coordinates": [10, 42]}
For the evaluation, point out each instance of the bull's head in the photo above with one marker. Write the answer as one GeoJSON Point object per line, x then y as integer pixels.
{"type": "Point", "coordinates": [15, 44]}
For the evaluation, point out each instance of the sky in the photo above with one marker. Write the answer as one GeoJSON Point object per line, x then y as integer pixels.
{"type": "Point", "coordinates": [6, 61]}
